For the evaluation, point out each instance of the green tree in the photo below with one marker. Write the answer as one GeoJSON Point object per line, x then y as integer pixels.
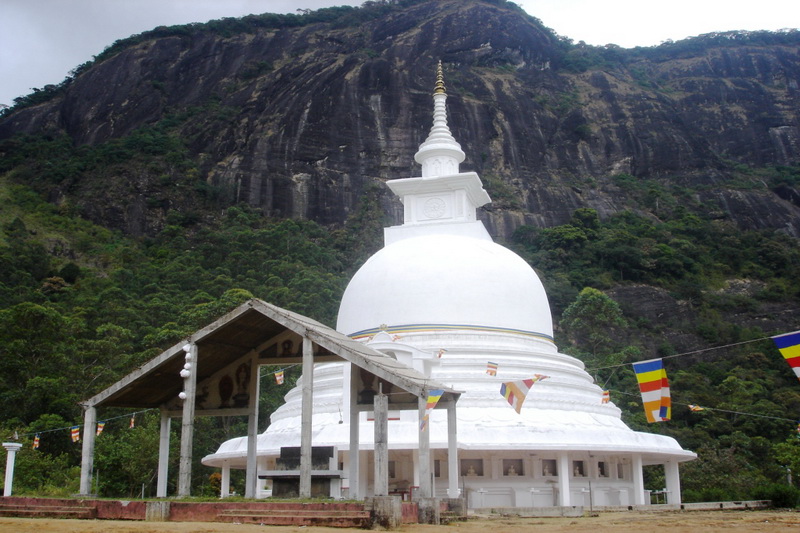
{"type": "Point", "coordinates": [593, 318]}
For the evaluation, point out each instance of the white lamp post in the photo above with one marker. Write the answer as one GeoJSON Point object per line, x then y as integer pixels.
{"type": "Point", "coordinates": [12, 448]}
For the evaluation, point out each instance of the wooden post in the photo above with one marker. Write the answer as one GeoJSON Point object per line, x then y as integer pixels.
{"type": "Point", "coordinates": [251, 476]}
{"type": "Point", "coordinates": [381, 406]}
{"type": "Point", "coordinates": [452, 452]}
{"type": "Point", "coordinates": [425, 485]}
{"type": "Point", "coordinates": [353, 466]}
{"type": "Point", "coordinates": [87, 451]}
{"type": "Point", "coordinates": [163, 456]}
{"type": "Point", "coordinates": [307, 410]}
{"type": "Point", "coordinates": [187, 426]}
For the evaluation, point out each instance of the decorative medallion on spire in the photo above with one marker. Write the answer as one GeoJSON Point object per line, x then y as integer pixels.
{"type": "Point", "coordinates": [440, 154]}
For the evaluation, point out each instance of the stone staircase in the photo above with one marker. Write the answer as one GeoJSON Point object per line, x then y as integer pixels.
{"type": "Point", "coordinates": [55, 510]}
{"type": "Point", "coordinates": [300, 514]}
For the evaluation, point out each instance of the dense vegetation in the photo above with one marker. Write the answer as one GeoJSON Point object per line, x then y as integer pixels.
{"type": "Point", "coordinates": [81, 305]}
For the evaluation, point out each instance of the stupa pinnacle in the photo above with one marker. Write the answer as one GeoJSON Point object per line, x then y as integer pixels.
{"type": "Point", "coordinates": [440, 154]}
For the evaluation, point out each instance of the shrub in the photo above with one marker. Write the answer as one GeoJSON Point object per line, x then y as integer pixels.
{"type": "Point", "coordinates": [781, 495]}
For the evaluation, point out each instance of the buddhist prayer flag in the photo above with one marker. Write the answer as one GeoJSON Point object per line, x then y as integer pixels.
{"type": "Point", "coordinates": [491, 368]}
{"type": "Point", "coordinates": [279, 377]}
{"type": "Point", "coordinates": [100, 427]}
{"type": "Point", "coordinates": [694, 408]}
{"type": "Point", "coordinates": [606, 396]}
{"type": "Point", "coordinates": [75, 432]}
{"type": "Point", "coordinates": [654, 387]}
{"type": "Point", "coordinates": [789, 346]}
{"type": "Point", "coordinates": [36, 442]}
{"type": "Point", "coordinates": [433, 398]}
{"type": "Point", "coordinates": [515, 391]}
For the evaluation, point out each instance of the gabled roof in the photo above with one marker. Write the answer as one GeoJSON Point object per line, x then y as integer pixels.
{"type": "Point", "coordinates": [247, 330]}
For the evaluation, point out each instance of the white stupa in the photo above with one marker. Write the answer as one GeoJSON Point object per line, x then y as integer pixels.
{"type": "Point", "coordinates": [443, 298]}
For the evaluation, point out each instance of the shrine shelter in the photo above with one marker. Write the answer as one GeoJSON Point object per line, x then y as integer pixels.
{"type": "Point", "coordinates": [223, 360]}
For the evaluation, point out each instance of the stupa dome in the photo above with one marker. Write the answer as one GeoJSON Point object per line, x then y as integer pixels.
{"type": "Point", "coordinates": [445, 280]}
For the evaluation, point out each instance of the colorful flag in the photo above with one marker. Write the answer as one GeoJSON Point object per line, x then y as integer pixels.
{"type": "Point", "coordinates": [75, 432]}
{"type": "Point", "coordinates": [133, 421]}
{"type": "Point", "coordinates": [36, 442]}
{"type": "Point", "coordinates": [433, 398]}
{"type": "Point", "coordinates": [515, 391]}
{"type": "Point", "coordinates": [279, 377]}
{"type": "Point", "coordinates": [100, 427]}
{"type": "Point", "coordinates": [695, 408]}
{"type": "Point", "coordinates": [491, 368]}
{"type": "Point", "coordinates": [654, 387]}
{"type": "Point", "coordinates": [606, 397]}
{"type": "Point", "coordinates": [789, 346]}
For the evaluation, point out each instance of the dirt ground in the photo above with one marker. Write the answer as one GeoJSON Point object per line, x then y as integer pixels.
{"type": "Point", "coordinates": [609, 522]}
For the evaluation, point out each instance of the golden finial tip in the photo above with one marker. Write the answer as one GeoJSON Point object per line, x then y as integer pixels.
{"type": "Point", "coordinates": [439, 88]}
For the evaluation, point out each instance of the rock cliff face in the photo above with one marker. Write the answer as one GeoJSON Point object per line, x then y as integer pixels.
{"type": "Point", "coordinates": [300, 121]}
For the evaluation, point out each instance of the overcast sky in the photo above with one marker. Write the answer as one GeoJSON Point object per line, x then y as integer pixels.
{"type": "Point", "coordinates": [42, 40]}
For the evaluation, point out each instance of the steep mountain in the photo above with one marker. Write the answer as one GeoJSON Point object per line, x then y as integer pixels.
{"type": "Point", "coordinates": [298, 118]}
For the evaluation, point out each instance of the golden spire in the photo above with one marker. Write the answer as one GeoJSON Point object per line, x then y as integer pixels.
{"type": "Point", "coordinates": [439, 88]}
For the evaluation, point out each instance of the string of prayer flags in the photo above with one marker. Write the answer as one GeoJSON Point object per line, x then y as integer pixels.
{"type": "Point", "coordinates": [279, 377]}
{"type": "Point", "coordinates": [75, 433]}
{"type": "Point", "coordinates": [491, 368]}
{"type": "Point", "coordinates": [789, 346]}
{"type": "Point", "coordinates": [515, 391]}
{"type": "Point", "coordinates": [695, 408]}
{"type": "Point", "coordinates": [36, 442]}
{"type": "Point", "coordinates": [133, 421]}
{"type": "Point", "coordinates": [433, 398]}
{"type": "Point", "coordinates": [654, 387]}
{"type": "Point", "coordinates": [606, 397]}
{"type": "Point", "coordinates": [100, 427]}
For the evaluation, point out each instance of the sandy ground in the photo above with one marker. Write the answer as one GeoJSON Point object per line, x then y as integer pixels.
{"type": "Point", "coordinates": [607, 522]}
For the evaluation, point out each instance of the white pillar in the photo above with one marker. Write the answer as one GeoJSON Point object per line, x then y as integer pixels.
{"type": "Point", "coordinates": [381, 409]}
{"type": "Point", "coordinates": [452, 452]}
{"type": "Point", "coordinates": [352, 456]}
{"type": "Point", "coordinates": [187, 425]}
{"type": "Point", "coordinates": [425, 485]}
{"type": "Point", "coordinates": [251, 475]}
{"type": "Point", "coordinates": [673, 480]}
{"type": "Point", "coordinates": [638, 479]}
{"type": "Point", "coordinates": [163, 456]}
{"type": "Point", "coordinates": [12, 448]}
{"type": "Point", "coordinates": [307, 409]}
{"type": "Point", "coordinates": [563, 479]}
{"type": "Point", "coordinates": [225, 482]}
{"type": "Point", "coordinates": [87, 450]}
